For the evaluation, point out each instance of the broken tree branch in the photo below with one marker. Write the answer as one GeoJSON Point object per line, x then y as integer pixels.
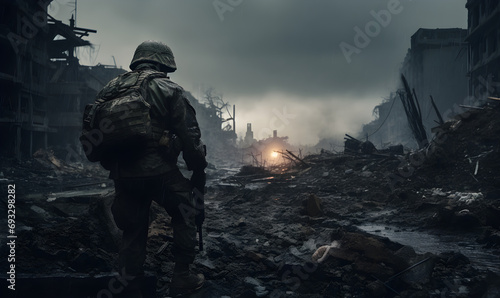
{"type": "Point", "coordinates": [297, 158]}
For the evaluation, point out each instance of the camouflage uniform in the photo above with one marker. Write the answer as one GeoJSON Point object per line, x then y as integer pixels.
{"type": "Point", "coordinates": [153, 175]}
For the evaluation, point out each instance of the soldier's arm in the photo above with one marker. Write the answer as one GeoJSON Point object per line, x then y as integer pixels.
{"type": "Point", "coordinates": [187, 129]}
{"type": "Point", "coordinates": [181, 117]}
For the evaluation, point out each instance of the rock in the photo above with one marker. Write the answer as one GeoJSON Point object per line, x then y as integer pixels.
{"type": "Point", "coordinates": [257, 257]}
{"type": "Point", "coordinates": [39, 210]}
{"type": "Point", "coordinates": [260, 291]}
{"type": "Point", "coordinates": [344, 255]}
{"type": "Point", "coordinates": [373, 250]}
{"type": "Point", "coordinates": [454, 259]}
{"type": "Point", "coordinates": [313, 206]}
{"type": "Point", "coordinates": [366, 174]}
{"type": "Point", "coordinates": [376, 289]}
{"type": "Point", "coordinates": [269, 263]}
{"type": "Point", "coordinates": [406, 252]}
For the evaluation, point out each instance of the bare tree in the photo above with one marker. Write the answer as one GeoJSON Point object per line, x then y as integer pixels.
{"type": "Point", "coordinates": [216, 104]}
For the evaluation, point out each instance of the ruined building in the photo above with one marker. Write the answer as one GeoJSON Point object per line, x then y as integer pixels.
{"type": "Point", "coordinates": [248, 140]}
{"type": "Point", "coordinates": [436, 64]}
{"type": "Point", "coordinates": [266, 152]}
{"type": "Point", "coordinates": [43, 88]}
{"type": "Point", "coordinates": [218, 133]}
{"type": "Point", "coordinates": [484, 48]}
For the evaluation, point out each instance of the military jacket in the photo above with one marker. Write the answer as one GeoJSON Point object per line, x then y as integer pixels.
{"type": "Point", "coordinates": [171, 110]}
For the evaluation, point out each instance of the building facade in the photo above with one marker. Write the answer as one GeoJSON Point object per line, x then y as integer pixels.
{"type": "Point", "coordinates": [43, 88]}
{"type": "Point", "coordinates": [435, 65]}
{"type": "Point", "coordinates": [484, 48]}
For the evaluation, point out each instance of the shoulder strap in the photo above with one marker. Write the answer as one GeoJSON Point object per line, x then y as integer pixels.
{"type": "Point", "coordinates": [146, 76]}
{"type": "Point", "coordinates": [144, 79]}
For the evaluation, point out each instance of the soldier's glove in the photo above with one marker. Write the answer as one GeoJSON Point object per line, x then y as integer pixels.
{"type": "Point", "coordinates": [198, 180]}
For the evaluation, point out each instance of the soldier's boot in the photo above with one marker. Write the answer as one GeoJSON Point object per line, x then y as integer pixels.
{"type": "Point", "coordinates": [183, 281]}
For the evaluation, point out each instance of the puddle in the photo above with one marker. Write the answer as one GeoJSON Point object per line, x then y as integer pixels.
{"type": "Point", "coordinates": [422, 242]}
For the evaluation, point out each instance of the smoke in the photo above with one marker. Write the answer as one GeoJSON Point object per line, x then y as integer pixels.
{"type": "Point", "coordinates": [304, 119]}
{"type": "Point", "coordinates": [269, 54]}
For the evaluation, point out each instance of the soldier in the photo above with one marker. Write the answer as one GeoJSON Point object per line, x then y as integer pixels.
{"type": "Point", "coordinates": [152, 173]}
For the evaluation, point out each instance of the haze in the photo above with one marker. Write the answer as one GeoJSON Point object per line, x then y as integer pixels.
{"type": "Point", "coordinates": [272, 58]}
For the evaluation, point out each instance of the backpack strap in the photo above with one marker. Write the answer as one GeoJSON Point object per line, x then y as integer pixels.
{"type": "Point", "coordinates": [145, 77]}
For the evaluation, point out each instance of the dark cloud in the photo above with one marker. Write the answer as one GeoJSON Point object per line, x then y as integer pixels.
{"type": "Point", "coordinates": [262, 47]}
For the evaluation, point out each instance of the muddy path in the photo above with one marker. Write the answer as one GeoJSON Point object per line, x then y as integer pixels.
{"type": "Point", "coordinates": [342, 225]}
{"type": "Point", "coordinates": [261, 233]}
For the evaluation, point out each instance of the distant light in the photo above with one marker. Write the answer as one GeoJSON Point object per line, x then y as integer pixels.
{"type": "Point", "coordinates": [274, 154]}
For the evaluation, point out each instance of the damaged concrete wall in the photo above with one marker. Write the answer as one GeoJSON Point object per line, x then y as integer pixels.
{"type": "Point", "coordinates": [436, 64]}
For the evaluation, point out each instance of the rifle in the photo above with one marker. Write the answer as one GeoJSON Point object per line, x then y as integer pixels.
{"type": "Point", "coordinates": [198, 181]}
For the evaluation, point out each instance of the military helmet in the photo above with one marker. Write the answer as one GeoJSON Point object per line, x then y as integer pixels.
{"type": "Point", "coordinates": [156, 52]}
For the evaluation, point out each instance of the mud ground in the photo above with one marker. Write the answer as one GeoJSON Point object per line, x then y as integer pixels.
{"type": "Point", "coordinates": [263, 227]}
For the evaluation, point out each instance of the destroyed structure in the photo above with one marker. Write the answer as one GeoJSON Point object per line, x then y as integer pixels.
{"type": "Point", "coordinates": [484, 48]}
{"type": "Point", "coordinates": [44, 89]}
{"type": "Point", "coordinates": [269, 152]}
{"type": "Point", "coordinates": [248, 140]}
{"type": "Point", "coordinates": [217, 132]}
{"type": "Point", "coordinates": [435, 65]}
{"type": "Point", "coordinates": [370, 224]}
{"type": "Point", "coordinates": [458, 68]}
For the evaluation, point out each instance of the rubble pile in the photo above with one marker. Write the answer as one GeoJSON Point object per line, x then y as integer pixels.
{"type": "Point", "coordinates": [468, 148]}
{"type": "Point", "coordinates": [337, 225]}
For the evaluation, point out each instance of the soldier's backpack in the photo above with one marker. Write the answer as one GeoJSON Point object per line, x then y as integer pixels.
{"type": "Point", "coordinates": [119, 120]}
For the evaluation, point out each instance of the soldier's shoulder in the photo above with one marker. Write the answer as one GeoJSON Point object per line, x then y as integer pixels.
{"type": "Point", "coordinates": [166, 84]}
{"type": "Point", "coordinates": [118, 84]}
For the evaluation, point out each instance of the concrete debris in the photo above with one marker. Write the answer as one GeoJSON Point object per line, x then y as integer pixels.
{"type": "Point", "coordinates": [307, 240]}
{"type": "Point", "coordinates": [466, 197]}
{"type": "Point", "coordinates": [313, 206]}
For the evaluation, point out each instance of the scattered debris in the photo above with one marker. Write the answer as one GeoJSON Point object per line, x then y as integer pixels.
{"type": "Point", "coordinates": [313, 206]}
{"type": "Point", "coordinates": [65, 222]}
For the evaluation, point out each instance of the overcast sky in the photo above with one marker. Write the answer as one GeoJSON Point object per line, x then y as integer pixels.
{"type": "Point", "coordinates": [280, 61]}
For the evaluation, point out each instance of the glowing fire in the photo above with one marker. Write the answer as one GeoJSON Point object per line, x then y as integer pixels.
{"type": "Point", "coordinates": [274, 154]}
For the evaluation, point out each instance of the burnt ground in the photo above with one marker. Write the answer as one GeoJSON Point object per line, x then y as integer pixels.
{"type": "Point", "coordinates": [425, 224]}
